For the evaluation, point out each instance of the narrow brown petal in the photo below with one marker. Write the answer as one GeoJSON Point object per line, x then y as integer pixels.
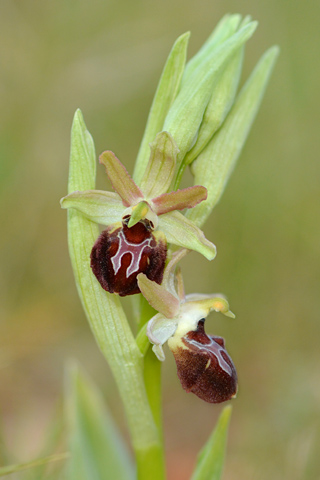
{"type": "Point", "coordinates": [179, 200]}
{"type": "Point", "coordinates": [121, 181]}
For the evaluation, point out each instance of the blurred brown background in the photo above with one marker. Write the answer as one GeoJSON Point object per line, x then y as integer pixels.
{"type": "Point", "coordinates": [105, 56]}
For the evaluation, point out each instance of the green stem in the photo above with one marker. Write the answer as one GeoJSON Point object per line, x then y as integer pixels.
{"type": "Point", "coordinates": [152, 380]}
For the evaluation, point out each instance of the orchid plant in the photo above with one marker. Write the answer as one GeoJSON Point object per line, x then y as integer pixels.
{"type": "Point", "coordinates": [198, 118]}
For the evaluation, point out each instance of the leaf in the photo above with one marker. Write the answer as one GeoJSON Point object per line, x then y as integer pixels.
{"type": "Point", "coordinates": [34, 463]}
{"type": "Point", "coordinates": [103, 310]}
{"type": "Point", "coordinates": [211, 458]}
{"type": "Point", "coordinates": [215, 163]}
{"type": "Point", "coordinates": [97, 451]}
{"type": "Point", "coordinates": [166, 93]}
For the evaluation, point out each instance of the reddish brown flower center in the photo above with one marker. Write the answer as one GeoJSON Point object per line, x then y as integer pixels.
{"type": "Point", "coordinates": [121, 253]}
{"type": "Point", "coordinates": [133, 241]}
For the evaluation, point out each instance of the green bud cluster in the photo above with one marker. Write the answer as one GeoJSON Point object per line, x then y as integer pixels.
{"type": "Point", "coordinates": [199, 105]}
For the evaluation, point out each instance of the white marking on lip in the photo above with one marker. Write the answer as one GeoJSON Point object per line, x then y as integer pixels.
{"type": "Point", "coordinates": [136, 250]}
{"type": "Point", "coordinates": [216, 351]}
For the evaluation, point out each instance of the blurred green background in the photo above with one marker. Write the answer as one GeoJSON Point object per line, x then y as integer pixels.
{"type": "Point", "coordinates": [105, 56]}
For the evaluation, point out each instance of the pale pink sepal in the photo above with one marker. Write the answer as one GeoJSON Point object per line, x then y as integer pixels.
{"type": "Point", "coordinates": [179, 200]}
{"type": "Point", "coordinates": [158, 297]}
{"type": "Point", "coordinates": [120, 179]}
{"type": "Point", "coordinates": [169, 275]}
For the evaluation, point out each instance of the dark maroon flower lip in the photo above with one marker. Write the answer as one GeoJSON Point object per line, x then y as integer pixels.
{"type": "Point", "coordinates": [121, 253]}
{"type": "Point", "coordinates": [204, 366]}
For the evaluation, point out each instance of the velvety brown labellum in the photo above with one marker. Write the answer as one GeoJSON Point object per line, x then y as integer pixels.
{"type": "Point", "coordinates": [121, 253]}
{"type": "Point", "coordinates": [204, 366]}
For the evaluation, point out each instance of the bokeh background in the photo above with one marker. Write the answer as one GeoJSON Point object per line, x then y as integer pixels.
{"type": "Point", "coordinates": [105, 56]}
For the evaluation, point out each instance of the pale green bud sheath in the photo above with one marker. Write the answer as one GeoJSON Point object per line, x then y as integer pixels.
{"type": "Point", "coordinates": [222, 98]}
{"type": "Point", "coordinates": [224, 88]}
{"type": "Point", "coordinates": [215, 163]}
{"type": "Point", "coordinates": [186, 114]}
{"type": "Point", "coordinates": [227, 26]}
{"type": "Point", "coordinates": [166, 93]}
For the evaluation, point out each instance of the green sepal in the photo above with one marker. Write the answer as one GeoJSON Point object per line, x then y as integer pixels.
{"type": "Point", "coordinates": [166, 93]}
{"type": "Point", "coordinates": [211, 458]}
{"type": "Point", "coordinates": [185, 115]}
{"type": "Point", "coordinates": [161, 166]}
{"type": "Point", "coordinates": [103, 310]}
{"type": "Point", "coordinates": [180, 231]}
{"type": "Point", "coordinates": [158, 297]}
{"type": "Point", "coordinates": [97, 205]}
{"type": "Point", "coordinates": [215, 163]}
{"type": "Point", "coordinates": [96, 448]}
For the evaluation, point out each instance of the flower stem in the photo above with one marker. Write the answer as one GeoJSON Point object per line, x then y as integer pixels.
{"type": "Point", "coordinates": [152, 380]}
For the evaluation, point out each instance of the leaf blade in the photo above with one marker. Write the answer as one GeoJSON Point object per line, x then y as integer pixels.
{"type": "Point", "coordinates": [97, 450]}
{"type": "Point", "coordinates": [211, 458]}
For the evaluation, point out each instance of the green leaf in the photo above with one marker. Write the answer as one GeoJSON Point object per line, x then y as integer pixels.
{"type": "Point", "coordinates": [215, 163]}
{"type": "Point", "coordinates": [96, 205]}
{"type": "Point", "coordinates": [185, 115]}
{"type": "Point", "coordinates": [96, 448]}
{"type": "Point", "coordinates": [166, 93]}
{"type": "Point", "coordinates": [211, 458]}
{"type": "Point", "coordinates": [104, 312]}
{"type": "Point", "coordinates": [34, 463]}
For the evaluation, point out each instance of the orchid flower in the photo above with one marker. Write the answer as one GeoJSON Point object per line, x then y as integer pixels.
{"type": "Point", "coordinates": [140, 220]}
{"type": "Point", "coordinates": [203, 365]}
